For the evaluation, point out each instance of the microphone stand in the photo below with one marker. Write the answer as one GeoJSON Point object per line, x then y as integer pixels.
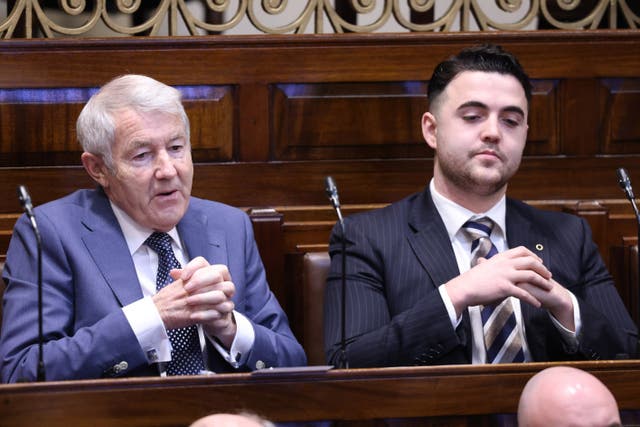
{"type": "Point", "coordinates": [637, 214]}
{"type": "Point", "coordinates": [625, 184]}
{"type": "Point", "coordinates": [332, 193]}
{"type": "Point", "coordinates": [343, 362]}
{"type": "Point", "coordinates": [25, 201]}
{"type": "Point", "coordinates": [41, 372]}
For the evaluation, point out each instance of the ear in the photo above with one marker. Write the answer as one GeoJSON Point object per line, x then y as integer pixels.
{"type": "Point", "coordinates": [429, 129]}
{"type": "Point", "coordinates": [96, 168]}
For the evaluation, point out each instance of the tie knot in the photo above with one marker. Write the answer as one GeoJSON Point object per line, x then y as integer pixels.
{"type": "Point", "coordinates": [477, 228]}
{"type": "Point", "coordinates": [479, 231]}
{"type": "Point", "coordinates": [159, 242]}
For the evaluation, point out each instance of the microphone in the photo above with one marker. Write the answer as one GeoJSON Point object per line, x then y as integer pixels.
{"type": "Point", "coordinates": [27, 206]}
{"type": "Point", "coordinates": [25, 199]}
{"type": "Point", "coordinates": [625, 184]}
{"type": "Point", "coordinates": [332, 193]}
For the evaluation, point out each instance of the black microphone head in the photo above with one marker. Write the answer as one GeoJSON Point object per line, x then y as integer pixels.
{"type": "Point", "coordinates": [623, 178]}
{"type": "Point", "coordinates": [625, 183]}
{"type": "Point", "coordinates": [330, 186]}
{"type": "Point", "coordinates": [332, 193]}
{"type": "Point", "coordinates": [24, 198]}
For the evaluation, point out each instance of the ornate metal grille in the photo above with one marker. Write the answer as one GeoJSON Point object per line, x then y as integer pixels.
{"type": "Point", "coordinates": [73, 18]}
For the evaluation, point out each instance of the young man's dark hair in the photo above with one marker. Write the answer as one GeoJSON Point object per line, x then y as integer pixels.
{"type": "Point", "coordinates": [487, 58]}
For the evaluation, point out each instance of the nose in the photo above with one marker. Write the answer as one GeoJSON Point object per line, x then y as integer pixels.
{"type": "Point", "coordinates": [164, 167]}
{"type": "Point", "coordinates": [491, 130]}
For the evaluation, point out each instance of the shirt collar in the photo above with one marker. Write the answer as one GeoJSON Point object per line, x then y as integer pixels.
{"type": "Point", "coordinates": [454, 216]}
{"type": "Point", "coordinates": [135, 234]}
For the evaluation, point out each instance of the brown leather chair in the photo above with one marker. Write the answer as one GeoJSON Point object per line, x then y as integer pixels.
{"type": "Point", "coordinates": [315, 270]}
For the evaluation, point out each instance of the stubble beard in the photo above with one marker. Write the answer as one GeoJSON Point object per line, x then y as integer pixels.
{"type": "Point", "coordinates": [470, 181]}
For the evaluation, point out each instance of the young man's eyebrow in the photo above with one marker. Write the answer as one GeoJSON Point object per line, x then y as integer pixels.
{"type": "Point", "coordinates": [478, 104]}
{"type": "Point", "coordinates": [473, 104]}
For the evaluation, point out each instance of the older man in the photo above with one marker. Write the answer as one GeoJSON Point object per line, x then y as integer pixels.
{"type": "Point", "coordinates": [139, 277]}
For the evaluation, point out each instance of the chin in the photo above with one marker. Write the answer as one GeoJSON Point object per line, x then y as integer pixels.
{"type": "Point", "coordinates": [489, 187]}
{"type": "Point", "coordinates": [166, 223]}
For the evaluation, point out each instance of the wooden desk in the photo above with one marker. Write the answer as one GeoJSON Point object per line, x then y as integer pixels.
{"type": "Point", "coordinates": [456, 392]}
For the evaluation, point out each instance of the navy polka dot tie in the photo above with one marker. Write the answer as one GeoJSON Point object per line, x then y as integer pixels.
{"type": "Point", "coordinates": [501, 337]}
{"type": "Point", "coordinates": [186, 356]}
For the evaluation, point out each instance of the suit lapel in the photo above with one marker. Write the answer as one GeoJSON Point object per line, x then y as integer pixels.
{"type": "Point", "coordinates": [430, 241]}
{"type": "Point", "coordinates": [107, 247]}
{"type": "Point", "coordinates": [431, 244]}
{"type": "Point", "coordinates": [522, 231]}
{"type": "Point", "coordinates": [200, 239]}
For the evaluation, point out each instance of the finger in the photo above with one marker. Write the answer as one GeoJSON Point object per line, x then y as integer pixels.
{"type": "Point", "coordinates": [517, 252]}
{"type": "Point", "coordinates": [523, 295]}
{"type": "Point", "coordinates": [175, 273]}
{"type": "Point", "coordinates": [192, 266]}
{"type": "Point", "coordinates": [548, 297]}
{"type": "Point", "coordinates": [208, 299]}
{"type": "Point", "coordinates": [222, 313]}
{"type": "Point", "coordinates": [224, 271]}
{"type": "Point", "coordinates": [533, 275]}
{"type": "Point", "coordinates": [532, 264]}
{"type": "Point", "coordinates": [213, 277]}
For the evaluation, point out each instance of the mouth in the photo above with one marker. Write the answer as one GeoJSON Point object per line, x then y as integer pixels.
{"type": "Point", "coordinates": [166, 194]}
{"type": "Point", "coordinates": [487, 153]}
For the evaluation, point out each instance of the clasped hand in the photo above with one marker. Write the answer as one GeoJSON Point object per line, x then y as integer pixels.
{"type": "Point", "coordinates": [516, 272]}
{"type": "Point", "coordinates": [200, 294]}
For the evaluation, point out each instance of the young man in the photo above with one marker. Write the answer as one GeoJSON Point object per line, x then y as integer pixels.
{"type": "Point", "coordinates": [538, 289]}
{"type": "Point", "coordinates": [139, 277]}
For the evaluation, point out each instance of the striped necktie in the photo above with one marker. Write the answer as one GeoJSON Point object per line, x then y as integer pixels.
{"type": "Point", "coordinates": [501, 336]}
{"type": "Point", "coordinates": [186, 354]}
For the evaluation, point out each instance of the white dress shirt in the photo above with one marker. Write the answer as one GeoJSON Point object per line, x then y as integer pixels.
{"type": "Point", "coordinates": [454, 216]}
{"type": "Point", "coordinates": [143, 316]}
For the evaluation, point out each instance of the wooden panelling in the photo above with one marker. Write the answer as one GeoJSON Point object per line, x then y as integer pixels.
{"type": "Point", "coordinates": [543, 137]}
{"type": "Point", "coordinates": [212, 117]}
{"type": "Point", "coordinates": [349, 120]}
{"type": "Point", "coordinates": [307, 98]}
{"type": "Point", "coordinates": [620, 119]}
{"type": "Point", "coordinates": [37, 126]}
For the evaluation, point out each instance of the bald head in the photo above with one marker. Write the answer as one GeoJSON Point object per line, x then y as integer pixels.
{"type": "Point", "coordinates": [567, 397]}
{"type": "Point", "coordinates": [230, 420]}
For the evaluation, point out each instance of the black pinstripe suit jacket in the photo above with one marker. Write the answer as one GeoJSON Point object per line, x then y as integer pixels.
{"type": "Point", "coordinates": [398, 256]}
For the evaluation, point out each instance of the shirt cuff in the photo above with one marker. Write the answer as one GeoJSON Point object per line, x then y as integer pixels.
{"type": "Point", "coordinates": [242, 343]}
{"type": "Point", "coordinates": [147, 325]}
{"type": "Point", "coordinates": [455, 322]}
{"type": "Point", "coordinates": [570, 338]}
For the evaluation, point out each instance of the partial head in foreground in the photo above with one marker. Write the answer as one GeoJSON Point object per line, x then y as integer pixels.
{"type": "Point", "coordinates": [563, 396]}
{"type": "Point", "coordinates": [232, 420]}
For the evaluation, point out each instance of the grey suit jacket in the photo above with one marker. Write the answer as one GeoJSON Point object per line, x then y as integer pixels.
{"type": "Point", "coordinates": [88, 276]}
{"type": "Point", "coordinates": [398, 256]}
